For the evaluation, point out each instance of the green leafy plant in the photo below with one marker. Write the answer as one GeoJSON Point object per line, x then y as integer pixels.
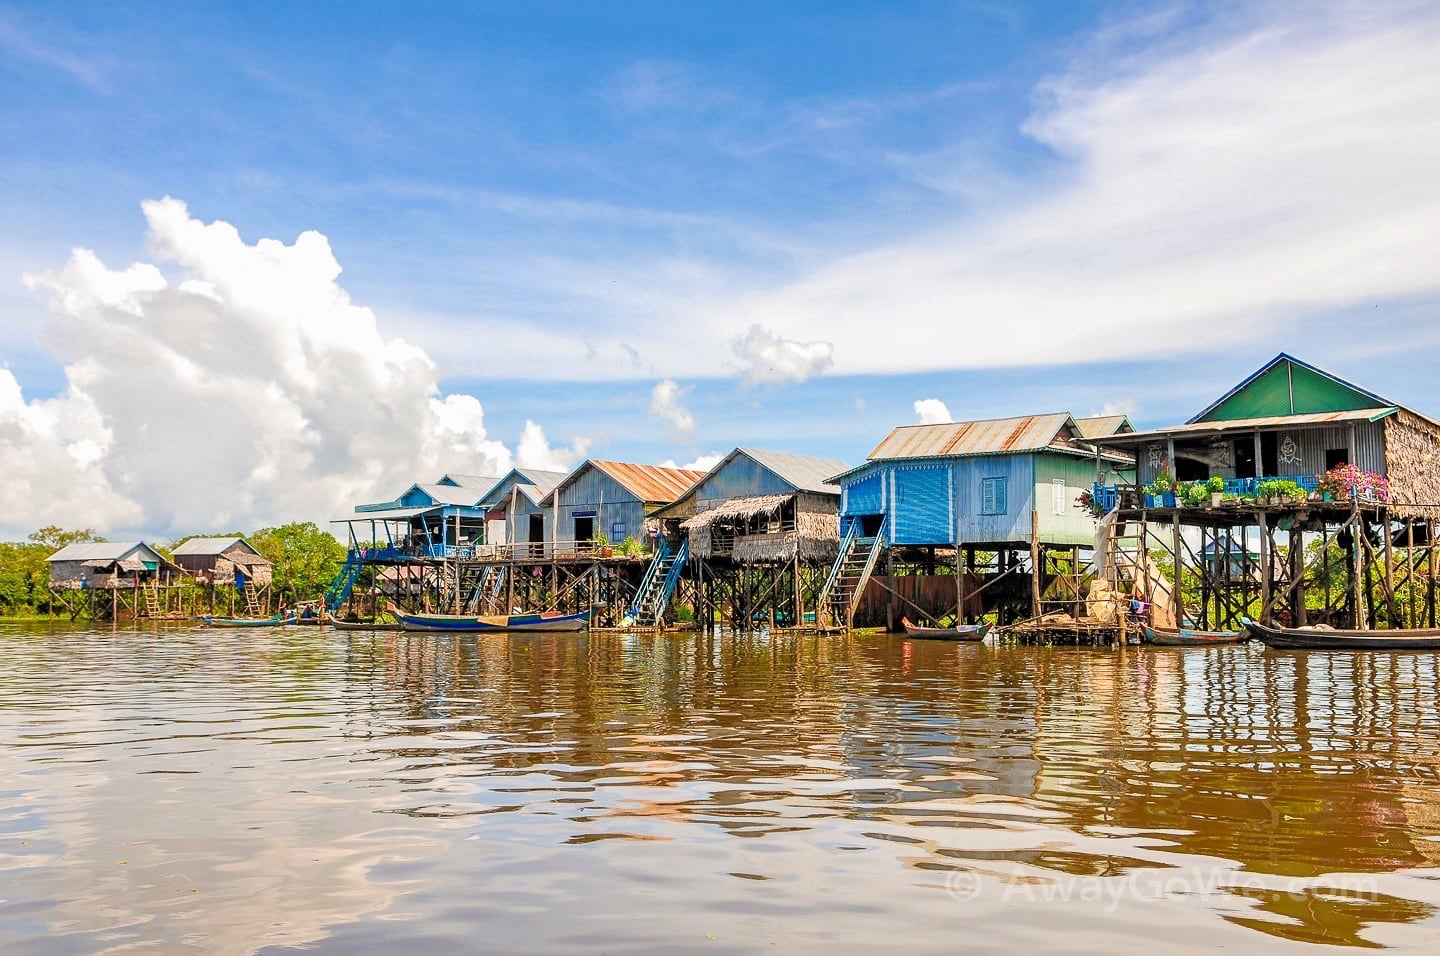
{"type": "Point", "coordinates": [631, 547]}
{"type": "Point", "coordinates": [1216, 484]}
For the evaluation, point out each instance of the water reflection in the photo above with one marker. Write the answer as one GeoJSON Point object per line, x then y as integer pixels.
{"type": "Point", "coordinates": [647, 793]}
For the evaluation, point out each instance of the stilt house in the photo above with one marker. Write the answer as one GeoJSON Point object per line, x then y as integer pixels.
{"type": "Point", "coordinates": [1293, 420]}
{"type": "Point", "coordinates": [231, 561]}
{"type": "Point", "coordinates": [1008, 487]}
{"type": "Point", "coordinates": [758, 506]}
{"type": "Point", "coordinates": [610, 501]}
{"type": "Point", "coordinates": [110, 564]}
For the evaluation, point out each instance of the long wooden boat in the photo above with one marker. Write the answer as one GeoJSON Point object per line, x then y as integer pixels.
{"type": "Point", "coordinates": [1188, 637]}
{"type": "Point", "coordinates": [210, 620]}
{"type": "Point", "coordinates": [1324, 639]}
{"type": "Point", "coordinates": [960, 632]}
{"type": "Point", "coordinates": [340, 625]}
{"type": "Point", "coordinates": [548, 621]}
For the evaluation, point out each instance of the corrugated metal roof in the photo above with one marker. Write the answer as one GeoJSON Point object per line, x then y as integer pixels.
{"type": "Point", "coordinates": [388, 514]}
{"type": "Point", "coordinates": [477, 482]}
{"type": "Point", "coordinates": [450, 495]}
{"type": "Point", "coordinates": [961, 439]}
{"type": "Point", "coordinates": [802, 471]}
{"type": "Point", "coordinates": [98, 550]}
{"type": "Point", "coordinates": [544, 480]}
{"type": "Point", "coordinates": [653, 484]}
{"type": "Point", "coordinates": [208, 546]}
{"type": "Point", "coordinates": [1099, 426]}
{"type": "Point", "coordinates": [1242, 424]}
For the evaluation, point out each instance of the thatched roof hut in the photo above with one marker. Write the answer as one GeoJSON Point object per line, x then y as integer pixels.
{"type": "Point", "coordinates": [757, 506]}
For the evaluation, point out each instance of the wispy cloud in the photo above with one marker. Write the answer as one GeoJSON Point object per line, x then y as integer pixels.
{"type": "Point", "coordinates": [90, 71]}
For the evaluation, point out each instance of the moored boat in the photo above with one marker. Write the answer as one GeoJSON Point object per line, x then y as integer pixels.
{"type": "Point", "coordinates": [960, 632]}
{"type": "Point", "coordinates": [211, 620]}
{"type": "Point", "coordinates": [1327, 639]}
{"type": "Point", "coordinates": [340, 625]}
{"type": "Point", "coordinates": [470, 623]}
{"type": "Point", "coordinates": [1189, 637]}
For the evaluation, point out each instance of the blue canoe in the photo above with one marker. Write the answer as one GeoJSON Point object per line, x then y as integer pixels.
{"type": "Point", "coordinates": [1187, 637]}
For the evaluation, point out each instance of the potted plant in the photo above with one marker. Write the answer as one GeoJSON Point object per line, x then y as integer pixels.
{"type": "Point", "coordinates": [1160, 493]}
{"type": "Point", "coordinates": [1216, 485]}
{"type": "Point", "coordinates": [601, 543]}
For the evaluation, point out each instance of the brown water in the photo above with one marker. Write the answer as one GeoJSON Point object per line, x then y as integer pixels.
{"type": "Point", "coordinates": [269, 790]}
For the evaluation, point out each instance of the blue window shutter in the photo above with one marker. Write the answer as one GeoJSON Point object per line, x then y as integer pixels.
{"type": "Point", "coordinates": [993, 496]}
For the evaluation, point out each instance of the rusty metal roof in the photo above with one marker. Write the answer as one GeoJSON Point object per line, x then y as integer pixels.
{"type": "Point", "coordinates": [1099, 426]}
{"type": "Point", "coordinates": [989, 437]}
{"type": "Point", "coordinates": [1249, 424]}
{"type": "Point", "coordinates": [652, 484]}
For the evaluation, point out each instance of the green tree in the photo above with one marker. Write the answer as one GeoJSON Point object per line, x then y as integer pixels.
{"type": "Point", "coordinates": [305, 559]}
{"type": "Point", "coordinates": [55, 538]}
{"type": "Point", "coordinates": [24, 572]}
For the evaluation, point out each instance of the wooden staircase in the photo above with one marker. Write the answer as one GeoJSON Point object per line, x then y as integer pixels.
{"type": "Point", "coordinates": [1129, 570]}
{"type": "Point", "coordinates": [659, 583]}
{"type": "Point", "coordinates": [848, 576]}
{"type": "Point", "coordinates": [151, 606]}
{"type": "Point", "coordinates": [252, 602]}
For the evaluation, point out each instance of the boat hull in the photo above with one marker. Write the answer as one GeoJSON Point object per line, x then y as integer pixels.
{"type": "Point", "coordinates": [340, 625]}
{"type": "Point", "coordinates": [513, 623]}
{"type": "Point", "coordinates": [1186, 637]}
{"type": "Point", "coordinates": [960, 632]}
{"type": "Point", "coordinates": [210, 620]}
{"type": "Point", "coordinates": [1305, 639]}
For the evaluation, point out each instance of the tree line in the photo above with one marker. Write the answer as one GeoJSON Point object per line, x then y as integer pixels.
{"type": "Point", "coordinates": [305, 558]}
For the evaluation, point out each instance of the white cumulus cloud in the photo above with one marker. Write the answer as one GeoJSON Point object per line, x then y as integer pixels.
{"type": "Point", "coordinates": [534, 451]}
{"type": "Point", "coordinates": [666, 407]}
{"type": "Point", "coordinates": [247, 389]}
{"type": "Point", "coordinates": [767, 357]}
{"type": "Point", "coordinates": [932, 411]}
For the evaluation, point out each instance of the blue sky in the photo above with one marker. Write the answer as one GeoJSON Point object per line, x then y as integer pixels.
{"type": "Point", "coordinates": [656, 231]}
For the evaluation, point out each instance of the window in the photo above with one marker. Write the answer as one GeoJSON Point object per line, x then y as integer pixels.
{"type": "Point", "coordinates": [993, 497]}
{"type": "Point", "coordinates": [1336, 456]}
{"type": "Point", "coordinates": [1058, 495]}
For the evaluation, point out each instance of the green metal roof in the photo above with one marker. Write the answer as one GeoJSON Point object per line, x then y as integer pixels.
{"type": "Point", "coordinates": [1288, 386]}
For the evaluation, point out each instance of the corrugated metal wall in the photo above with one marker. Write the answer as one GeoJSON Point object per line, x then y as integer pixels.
{"type": "Point", "coordinates": [865, 496]}
{"type": "Point", "coordinates": [1014, 525]}
{"type": "Point", "coordinates": [618, 512]}
{"type": "Point", "coordinates": [922, 504]}
{"type": "Point", "coordinates": [926, 501]}
{"type": "Point", "coordinates": [741, 477]}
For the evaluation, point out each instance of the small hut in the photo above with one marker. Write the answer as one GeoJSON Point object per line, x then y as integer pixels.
{"type": "Point", "coordinates": [759, 506]}
{"type": "Point", "coordinates": [109, 565]}
{"type": "Point", "coordinates": [224, 561]}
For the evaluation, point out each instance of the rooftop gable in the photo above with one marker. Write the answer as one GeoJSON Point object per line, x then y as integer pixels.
{"type": "Point", "coordinates": [212, 546]}
{"type": "Point", "coordinates": [1287, 386]}
{"type": "Point", "coordinates": [652, 484]}
{"type": "Point", "coordinates": [105, 551]}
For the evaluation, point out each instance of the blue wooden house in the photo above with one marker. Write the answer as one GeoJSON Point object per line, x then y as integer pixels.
{"type": "Point", "coordinates": [609, 501]}
{"type": "Point", "coordinates": [1006, 486]}
{"type": "Point", "coordinates": [996, 483]}
{"type": "Point", "coordinates": [443, 519]}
